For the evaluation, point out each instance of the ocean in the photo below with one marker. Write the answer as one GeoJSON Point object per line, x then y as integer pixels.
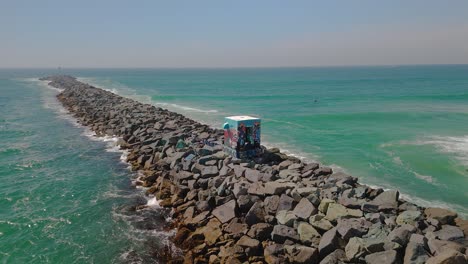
{"type": "Point", "coordinates": [66, 196]}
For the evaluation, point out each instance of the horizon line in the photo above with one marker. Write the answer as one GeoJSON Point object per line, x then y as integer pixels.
{"type": "Point", "coordinates": [228, 67]}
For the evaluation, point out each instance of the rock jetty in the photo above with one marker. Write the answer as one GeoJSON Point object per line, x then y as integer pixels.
{"type": "Point", "coordinates": [273, 209]}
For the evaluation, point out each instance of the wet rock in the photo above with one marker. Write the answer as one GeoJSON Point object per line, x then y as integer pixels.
{"type": "Point", "coordinates": [225, 212]}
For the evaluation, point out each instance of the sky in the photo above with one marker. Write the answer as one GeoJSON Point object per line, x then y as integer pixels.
{"type": "Point", "coordinates": [166, 34]}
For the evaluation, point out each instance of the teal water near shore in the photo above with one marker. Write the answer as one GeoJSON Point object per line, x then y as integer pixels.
{"type": "Point", "coordinates": [63, 194]}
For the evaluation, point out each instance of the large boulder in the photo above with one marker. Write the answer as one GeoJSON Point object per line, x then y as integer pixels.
{"type": "Point", "coordinates": [448, 256]}
{"type": "Point", "coordinates": [304, 209]}
{"type": "Point", "coordinates": [415, 253]}
{"type": "Point", "coordinates": [387, 200]}
{"type": "Point", "coordinates": [449, 232]}
{"type": "Point", "coordinates": [384, 257]}
{"type": "Point", "coordinates": [355, 248]}
{"type": "Point", "coordinates": [351, 227]}
{"type": "Point", "coordinates": [271, 204]}
{"type": "Point", "coordinates": [408, 217]}
{"type": "Point", "coordinates": [401, 234]}
{"type": "Point", "coordinates": [285, 203]}
{"type": "Point", "coordinates": [225, 212]}
{"type": "Point", "coordinates": [286, 218]}
{"type": "Point", "coordinates": [282, 233]}
{"type": "Point", "coordinates": [260, 231]}
{"type": "Point", "coordinates": [444, 216]}
{"type": "Point", "coordinates": [329, 242]}
{"type": "Point", "coordinates": [256, 214]}
{"type": "Point", "coordinates": [320, 223]}
{"type": "Point", "coordinates": [302, 255]}
{"type": "Point", "coordinates": [307, 234]}
{"type": "Point", "coordinates": [250, 245]}
{"type": "Point", "coordinates": [336, 211]}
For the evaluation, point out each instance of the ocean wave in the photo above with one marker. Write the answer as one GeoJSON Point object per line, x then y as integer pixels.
{"type": "Point", "coordinates": [455, 146]}
{"type": "Point", "coordinates": [186, 108]}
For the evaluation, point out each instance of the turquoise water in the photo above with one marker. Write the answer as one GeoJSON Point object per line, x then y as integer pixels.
{"type": "Point", "coordinates": [66, 197]}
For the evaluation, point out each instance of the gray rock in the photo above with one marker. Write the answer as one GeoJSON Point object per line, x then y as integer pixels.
{"type": "Point", "coordinates": [256, 214]}
{"type": "Point", "coordinates": [302, 254]}
{"type": "Point", "coordinates": [408, 217]}
{"type": "Point", "coordinates": [355, 248]}
{"type": "Point", "coordinates": [401, 234]}
{"type": "Point", "coordinates": [286, 218]}
{"type": "Point", "coordinates": [415, 254]}
{"type": "Point", "coordinates": [209, 171]}
{"type": "Point", "coordinates": [448, 257]}
{"type": "Point", "coordinates": [323, 207]}
{"type": "Point", "coordinates": [281, 233]}
{"type": "Point", "coordinates": [329, 242]}
{"type": "Point", "coordinates": [384, 257]}
{"type": "Point", "coordinates": [304, 209]}
{"type": "Point", "coordinates": [387, 200]}
{"type": "Point", "coordinates": [323, 171]}
{"type": "Point", "coordinates": [253, 175]}
{"type": "Point", "coordinates": [449, 232]}
{"type": "Point", "coordinates": [307, 234]}
{"type": "Point", "coordinates": [225, 212]}
{"type": "Point", "coordinates": [336, 211]}
{"type": "Point", "coordinates": [260, 231]}
{"type": "Point", "coordinates": [276, 187]}
{"type": "Point", "coordinates": [240, 188]}
{"type": "Point", "coordinates": [250, 245]}
{"type": "Point", "coordinates": [438, 246]}
{"type": "Point", "coordinates": [444, 216]}
{"type": "Point", "coordinates": [351, 227]}
{"type": "Point", "coordinates": [337, 256]}
{"type": "Point", "coordinates": [271, 204]}
{"type": "Point", "coordinates": [320, 223]}
{"type": "Point", "coordinates": [285, 203]}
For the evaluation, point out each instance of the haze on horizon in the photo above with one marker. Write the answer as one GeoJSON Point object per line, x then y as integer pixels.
{"type": "Point", "coordinates": [231, 33]}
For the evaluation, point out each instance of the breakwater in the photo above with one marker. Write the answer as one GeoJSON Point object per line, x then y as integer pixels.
{"type": "Point", "coordinates": [274, 209]}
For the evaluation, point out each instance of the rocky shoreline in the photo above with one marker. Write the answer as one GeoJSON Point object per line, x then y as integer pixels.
{"type": "Point", "coordinates": [274, 209]}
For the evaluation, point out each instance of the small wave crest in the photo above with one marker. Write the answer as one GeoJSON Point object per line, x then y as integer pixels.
{"type": "Point", "coordinates": [455, 146]}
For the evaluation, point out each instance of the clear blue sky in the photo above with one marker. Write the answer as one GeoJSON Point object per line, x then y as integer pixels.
{"type": "Point", "coordinates": [231, 33]}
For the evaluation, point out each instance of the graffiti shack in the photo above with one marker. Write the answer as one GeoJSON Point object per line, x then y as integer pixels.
{"type": "Point", "coordinates": [242, 136]}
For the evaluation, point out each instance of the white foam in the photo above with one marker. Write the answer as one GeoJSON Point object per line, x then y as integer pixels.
{"type": "Point", "coordinates": [153, 202]}
{"type": "Point", "coordinates": [455, 146]}
{"type": "Point", "coordinates": [426, 178]}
